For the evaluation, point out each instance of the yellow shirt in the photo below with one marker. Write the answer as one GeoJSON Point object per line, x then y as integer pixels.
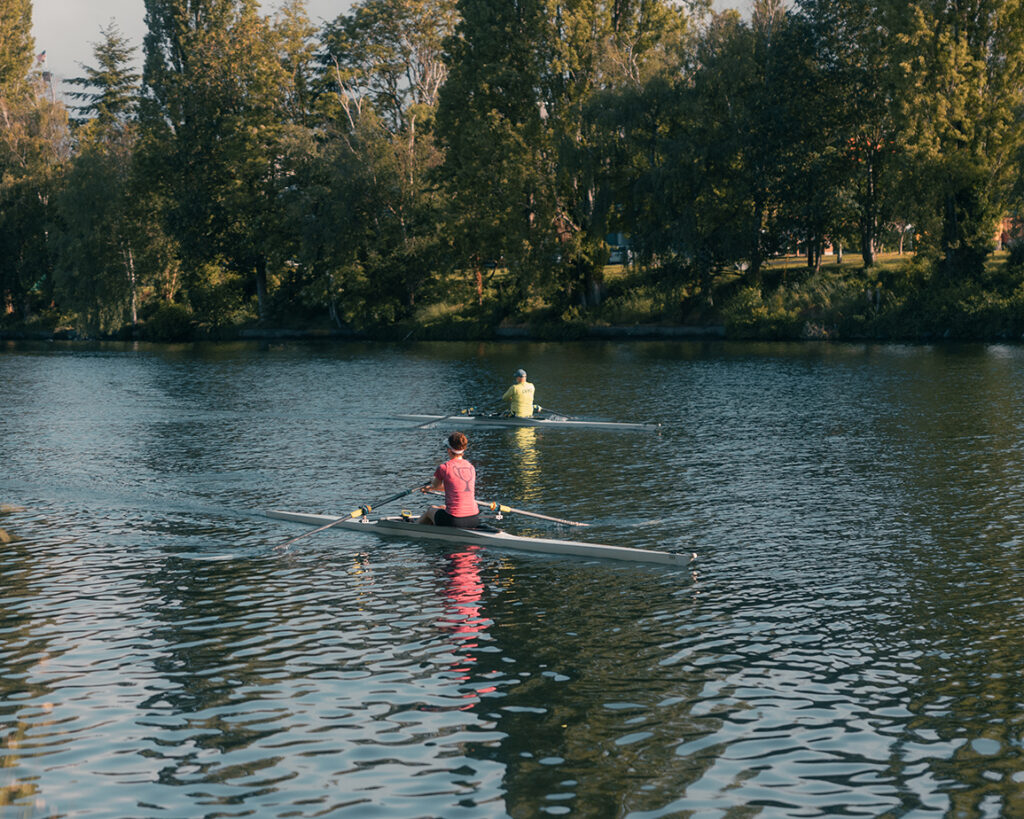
{"type": "Point", "coordinates": [521, 398]}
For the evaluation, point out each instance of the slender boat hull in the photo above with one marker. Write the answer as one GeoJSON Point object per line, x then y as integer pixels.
{"type": "Point", "coordinates": [507, 421]}
{"type": "Point", "coordinates": [397, 527]}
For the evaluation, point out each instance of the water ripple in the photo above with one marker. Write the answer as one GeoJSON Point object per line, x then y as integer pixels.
{"type": "Point", "coordinates": [845, 644]}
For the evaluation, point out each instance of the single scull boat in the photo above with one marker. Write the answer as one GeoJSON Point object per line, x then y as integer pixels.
{"type": "Point", "coordinates": [512, 421]}
{"type": "Point", "coordinates": [489, 536]}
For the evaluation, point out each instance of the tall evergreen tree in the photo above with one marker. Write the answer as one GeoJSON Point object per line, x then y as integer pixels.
{"type": "Point", "coordinates": [104, 242]}
{"type": "Point", "coordinates": [110, 89]}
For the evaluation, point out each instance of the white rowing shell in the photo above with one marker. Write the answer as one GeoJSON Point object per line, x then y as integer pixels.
{"type": "Point", "coordinates": [509, 421]}
{"type": "Point", "coordinates": [397, 527]}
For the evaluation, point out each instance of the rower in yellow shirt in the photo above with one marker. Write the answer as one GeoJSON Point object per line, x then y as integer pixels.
{"type": "Point", "coordinates": [520, 396]}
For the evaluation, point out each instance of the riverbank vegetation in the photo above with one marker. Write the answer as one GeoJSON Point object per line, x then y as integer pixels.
{"type": "Point", "coordinates": [460, 168]}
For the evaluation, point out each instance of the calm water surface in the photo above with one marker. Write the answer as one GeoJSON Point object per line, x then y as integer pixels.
{"type": "Point", "coordinates": [848, 642]}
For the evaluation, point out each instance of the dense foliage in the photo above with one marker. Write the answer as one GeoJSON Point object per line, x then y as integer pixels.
{"type": "Point", "coordinates": [448, 166]}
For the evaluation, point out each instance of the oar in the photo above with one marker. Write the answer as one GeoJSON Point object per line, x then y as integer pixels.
{"type": "Point", "coordinates": [492, 506]}
{"type": "Point", "coordinates": [458, 414]}
{"type": "Point", "coordinates": [355, 513]}
{"type": "Point", "coordinates": [433, 421]}
{"type": "Point", "coordinates": [555, 413]}
{"type": "Point", "coordinates": [509, 510]}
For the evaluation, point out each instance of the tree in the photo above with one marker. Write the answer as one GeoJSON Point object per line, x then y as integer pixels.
{"type": "Point", "coordinates": [491, 125]}
{"type": "Point", "coordinates": [214, 115]}
{"type": "Point", "coordinates": [962, 116]}
{"type": "Point", "coordinates": [389, 53]}
{"type": "Point", "coordinates": [16, 44]}
{"type": "Point", "coordinates": [599, 48]}
{"type": "Point", "coordinates": [711, 188]}
{"type": "Point", "coordinates": [110, 90]}
{"type": "Point", "coordinates": [97, 272]}
{"type": "Point", "coordinates": [861, 85]}
{"type": "Point", "coordinates": [517, 119]}
{"type": "Point", "coordinates": [34, 148]}
{"type": "Point", "coordinates": [382, 75]}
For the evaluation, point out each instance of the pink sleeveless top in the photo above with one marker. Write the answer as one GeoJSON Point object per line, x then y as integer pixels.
{"type": "Point", "coordinates": [459, 477]}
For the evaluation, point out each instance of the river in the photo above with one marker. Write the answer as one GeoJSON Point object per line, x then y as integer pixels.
{"type": "Point", "coordinates": [847, 642]}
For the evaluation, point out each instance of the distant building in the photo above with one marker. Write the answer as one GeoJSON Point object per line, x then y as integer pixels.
{"type": "Point", "coordinates": [620, 249]}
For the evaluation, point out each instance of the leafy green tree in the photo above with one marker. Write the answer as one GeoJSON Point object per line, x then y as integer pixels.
{"type": "Point", "coordinates": [388, 53]}
{"type": "Point", "coordinates": [599, 48]}
{"type": "Point", "coordinates": [16, 43]}
{"type": "Point", "coordinates": [962, 117]}
{"type": "Point", "coordinates": [215, 113]}
{"type": "Point", "coordinates": [516, 117]}
{"type": "Point", "coordinates": [648, 136]}
{"type": "Point", "coordinates": [766, 128]}
{"type": "Point", "coordinates": [812, 181]}
{"type": "Point", "coordinates": [96, 273]}
{"type": "Point", "coordinates": [703, 200]}
{"type": "Point", "coordinates": [860, 85]}
{"type": "Point", "coordinates": [34, 150]}
{"type": "Point", "coordinates": [379, 239]}
{"type": "Point", "coordinates": [295, 39]}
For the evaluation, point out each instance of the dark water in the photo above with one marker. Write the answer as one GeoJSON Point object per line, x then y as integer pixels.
{"type": "Point", "coordinates": [848, 642]}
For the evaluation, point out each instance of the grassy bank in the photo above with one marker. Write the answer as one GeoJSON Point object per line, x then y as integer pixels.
{"type": "Point", "coordinates": [899, 299]}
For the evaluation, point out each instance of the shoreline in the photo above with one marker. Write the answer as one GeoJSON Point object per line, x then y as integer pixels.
{"type": "Point", "coordinates": [518, 333]}
{"type": "Point", "coordinates": [548, 333]}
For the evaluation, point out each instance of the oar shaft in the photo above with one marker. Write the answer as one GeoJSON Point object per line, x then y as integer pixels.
{"type": "Point", "coordinates": [433, 421]}
{"type": "Point", "coordinates": [444, 418]}
{"type": "Point", "coordinates": [362, 510]}
{"type": "Point", "coordinates": [366, 509]}
{"type": "Point", "coordinates": [511, 510]}
{"type": "Point", "coordinates": [493, 506]}
{"type": "Point", "coordinates": [553, 413]}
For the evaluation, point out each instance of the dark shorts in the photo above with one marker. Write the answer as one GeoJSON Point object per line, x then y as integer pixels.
{"type": "Point", "coordinates": [442, 518]}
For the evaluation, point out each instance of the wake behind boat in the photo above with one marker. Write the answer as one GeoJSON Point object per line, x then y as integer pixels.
{"type": "Point", "coordinates": [399, 527]}
{"type": "Point", "coordinates": [549, 422]}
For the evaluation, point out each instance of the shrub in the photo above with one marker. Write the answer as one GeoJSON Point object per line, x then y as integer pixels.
{"type": "Point", "coordinates": [751, 315]}
{"type": "Point", "coordinates": [170, 322]}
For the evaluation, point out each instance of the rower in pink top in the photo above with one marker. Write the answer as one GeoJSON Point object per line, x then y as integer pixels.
{"type": "Point", "coordinates": [458, 478]}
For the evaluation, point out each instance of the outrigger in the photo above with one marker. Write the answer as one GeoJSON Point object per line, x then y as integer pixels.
{"type": "Point", "coordinates": [485, 535]}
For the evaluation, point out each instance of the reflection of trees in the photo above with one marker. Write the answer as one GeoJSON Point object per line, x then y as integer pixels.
{"type": "Point", "coordinates": [954, 639]}
{"type": "Point", "coordinates": [199, 680]}
{"type": "Point", "coordinates": [25, 648]}
{"type": "Point", "coordinates": [223, 656]}
{"type": "Point", "coordinates": [577, 694]}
